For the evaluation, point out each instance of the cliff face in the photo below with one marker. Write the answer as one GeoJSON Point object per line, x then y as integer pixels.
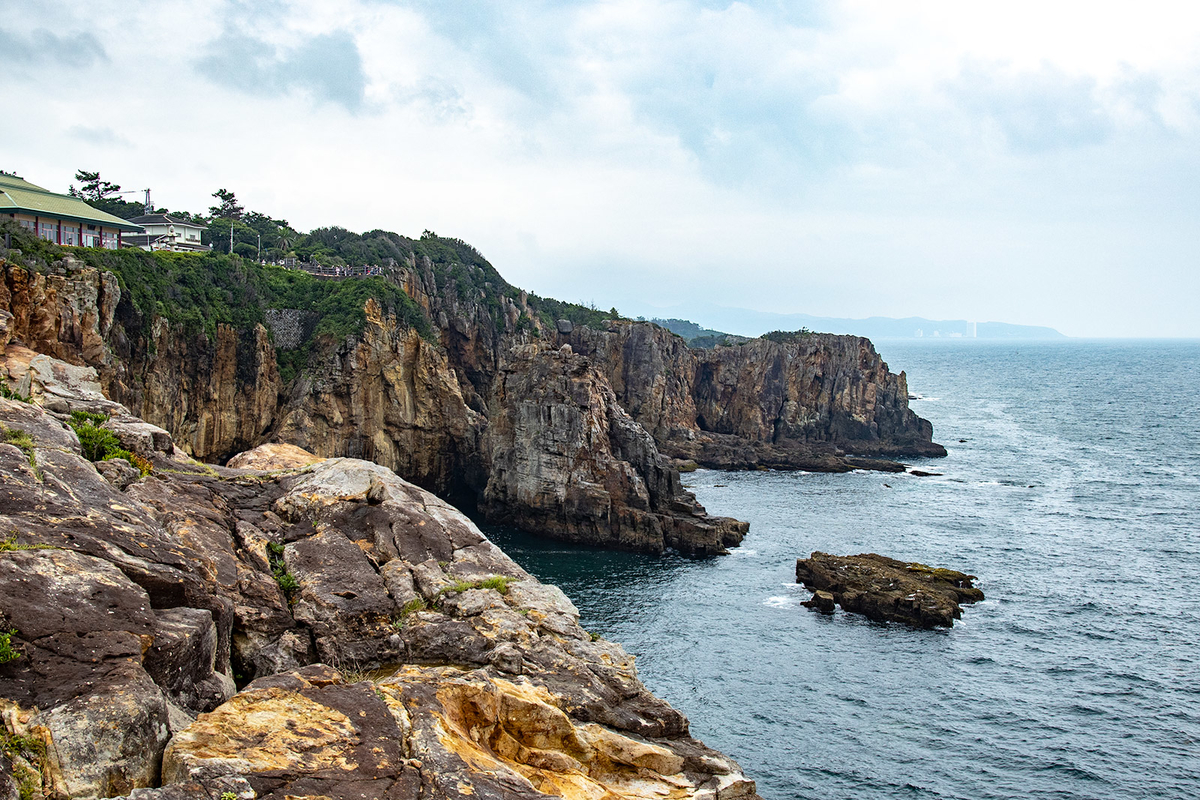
{"type": "Point", "coordinates": [568, 461]}
{"type": "Point", "coordinates": [486, 410]}
{"type": "Point", "coordinates": [804, 403]}
{"type": "Point", "coordinates": [319, 629]}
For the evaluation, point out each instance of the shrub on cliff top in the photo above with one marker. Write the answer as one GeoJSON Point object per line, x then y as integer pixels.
{"type": "Point", "coordinates": [787, 337]}
{"type": "Point", "coordinates": [200, 291]}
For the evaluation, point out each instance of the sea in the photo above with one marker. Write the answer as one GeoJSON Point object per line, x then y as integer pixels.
{"type": "Point", "coordinates": [1071, 489]}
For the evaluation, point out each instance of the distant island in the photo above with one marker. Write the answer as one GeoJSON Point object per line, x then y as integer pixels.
{"type": "Point", "coordinates": [748, 323]}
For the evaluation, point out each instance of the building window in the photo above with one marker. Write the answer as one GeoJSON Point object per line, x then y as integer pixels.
{"type": "Point", "coordinates": [27, 225]}
{"type": "Point", "coordinates": [91, 239]}
{"type": "Point", "coordinates": [48, 231]}
{"type": "Point", "coordinates": [108, 240]}
{"type": "Point", "coordinates": [70, 235]}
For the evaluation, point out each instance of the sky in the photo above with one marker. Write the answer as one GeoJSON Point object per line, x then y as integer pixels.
{"type": "Point", "coordinates": [1027, 162]}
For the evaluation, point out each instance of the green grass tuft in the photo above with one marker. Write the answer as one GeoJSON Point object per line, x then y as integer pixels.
{"type": "Point", "coordinates": [24, 441]}
{"type": "Point", "coordinates": [498, 582]}
{"type": "Point", "coordinates": [11, 544]}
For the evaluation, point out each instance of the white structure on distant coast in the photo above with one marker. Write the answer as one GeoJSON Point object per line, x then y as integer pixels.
{"type": "Point", "coordinates": [165, 232]}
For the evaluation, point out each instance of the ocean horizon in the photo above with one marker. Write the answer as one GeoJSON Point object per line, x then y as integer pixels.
{"type": "Point", "coordinates": [1069, 490]}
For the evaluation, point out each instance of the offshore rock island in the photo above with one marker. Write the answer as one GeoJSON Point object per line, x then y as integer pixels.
{"type": "Point", "coordinates": [316, 619]}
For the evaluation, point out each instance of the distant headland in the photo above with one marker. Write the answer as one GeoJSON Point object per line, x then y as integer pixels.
{"type": "Point", "coordinates": [742, 322]}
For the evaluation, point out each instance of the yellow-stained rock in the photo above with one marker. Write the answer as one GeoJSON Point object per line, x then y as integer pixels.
{"type": "Point", "coordinates": [273, 456]}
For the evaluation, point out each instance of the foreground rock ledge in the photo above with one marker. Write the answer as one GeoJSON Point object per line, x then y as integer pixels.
{"type": "Point", "coordinates": [383, 646]}
{"type": "Point", "coordinates": [886, 590]}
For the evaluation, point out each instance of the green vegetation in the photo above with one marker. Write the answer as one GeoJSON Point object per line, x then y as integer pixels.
{"type": "Point", "coordinates": [201, 291]}
{"type": "Point", "coordinates": [28, 754]}
{"type": "Point", "coordinates": [97, 442]}
{"type": "Point", "coordinates": [7, 653]}
{"type": "Point", "coordinates": [228, 796]}
{"type": "Point", "coordinates": [11, 544]}
{"type": "Point", "coordinates": [407, 610]}
{"type": "Point", "coordinates": [101, 444]}
{"type": "Point", "coordinates": [595, 637]}
{"type": "Point", "coordinates": [10, 394]}
{"type": "Point", "coordinates": [24, 441]}
{"type": "Point", "coordinates": [279, 571]}
{"type": "Point", "coordinates": [498, 582]}
{"type": "Point", "coordinates": [88, 418]}
{"type": "Point", "coordinates": [787, 337]}
{"type": "Point", "coordinates": [105, 196]}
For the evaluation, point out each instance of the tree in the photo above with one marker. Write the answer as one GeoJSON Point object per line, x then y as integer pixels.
{"type": "Point", "coordinates": [93, 188]}
{"type": "Point", "coordinates": [229, 207]}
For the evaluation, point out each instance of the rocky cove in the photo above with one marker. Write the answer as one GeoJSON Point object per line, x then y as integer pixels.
{"type": "Point", "coordinates": [187, 661]}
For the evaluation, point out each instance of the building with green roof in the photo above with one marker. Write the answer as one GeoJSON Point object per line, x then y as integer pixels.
{"type": "Point", "coordinates": [60, 218]}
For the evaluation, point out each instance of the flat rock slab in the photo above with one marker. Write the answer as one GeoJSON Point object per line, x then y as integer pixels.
{"type": "Point", "coordinates": [887, 590]}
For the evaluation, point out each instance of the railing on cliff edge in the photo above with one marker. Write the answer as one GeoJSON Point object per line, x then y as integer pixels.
{"type": "Point", "coordinates": [324, 271]}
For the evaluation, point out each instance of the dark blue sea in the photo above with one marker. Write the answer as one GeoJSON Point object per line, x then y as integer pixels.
{"type": "Point", "coordinates": [1071, 490]}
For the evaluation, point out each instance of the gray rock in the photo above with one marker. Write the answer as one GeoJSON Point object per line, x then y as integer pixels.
{"type": "Point", "coordinates": [108, 742]}
{"type": "Point", "coordinates": [182, 659]}
{"type": "Point", "coordinates": [342, 599]}
{"type": "Point", "coordinates": [119, 472]}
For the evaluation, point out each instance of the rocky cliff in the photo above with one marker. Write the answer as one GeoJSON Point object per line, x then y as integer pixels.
{"type": "Point", "coordinates": [309, 628]}
{"type": "Point", "coordinates": [460, 383]}
{"type": "Point", "coordinates": [805, 401]}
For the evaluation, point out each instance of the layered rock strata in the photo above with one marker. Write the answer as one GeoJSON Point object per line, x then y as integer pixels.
{"type": "Point", "coordinates": [576, 445]}
{"type": "Point", "coordinates": [887, 590]}
{"type": "Point", "coordinates": [812, 401]}
{"type": "Point", "coordinates": [383, 646]}
{"type": "Point", "coordinates": [569, 462]}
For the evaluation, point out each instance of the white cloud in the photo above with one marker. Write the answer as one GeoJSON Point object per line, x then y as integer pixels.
{"type": "Point", "coordinates": [1033, 162]}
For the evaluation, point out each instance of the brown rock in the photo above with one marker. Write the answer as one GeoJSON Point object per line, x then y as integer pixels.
{"type": "Point", "coordinates": [145, 599]}
{"type": "Point", "coordinates": [273, 456]}
{"type": "Point", "coordinates": [568, 462]}
{"type": "Point", "coordinates": [884, 589]}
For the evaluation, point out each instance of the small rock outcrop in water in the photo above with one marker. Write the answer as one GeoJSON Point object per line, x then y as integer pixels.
{"type": "Point", "coordinates": [134, 606]}
{"type": "Point", "coordinates": [886, 590]}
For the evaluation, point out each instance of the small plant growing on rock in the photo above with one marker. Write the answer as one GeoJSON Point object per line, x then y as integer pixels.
{"type": "Point", "coordinates": [279, 571]}
{"type": "Point", "coordinates": [7, 653]}
{"type": "Point", "coordinates": [228, 796]}
{"type": "Point", "coordinates": [407, 610]}
{"type": "Point", "coordinates": [11, 544]}
{"type": "Point", "coordinates": [10, 394]}
{"type": "Point", "coordinates": [595, 636]}
{"type": "Point", "coordinates": [498, 582]}
{"type": "Point", "coordinates": [88, 418]}
{"type": "Point", "coordinates": [28, 756]}
{"type": "Point", "coordinates": [24, 441]}
{"type": "Point", "coordinates": [96, 442]}
{"type": "Point", "coordinates": [142, 465]}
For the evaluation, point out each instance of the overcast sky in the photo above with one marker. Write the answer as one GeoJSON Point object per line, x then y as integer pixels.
{"type": "Point", "coordinates": [1026, 162]}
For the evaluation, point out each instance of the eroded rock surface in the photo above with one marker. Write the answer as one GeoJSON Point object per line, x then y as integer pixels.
{"type": "Point", "coordinates": [488, 408]}
{"type": "Point", "coordinates": [568, 461]}
{"type": "Point", "coordinates": [887, 590]}
{"type": "Point", "coordinates": [385, 648]}
{"type": "Point", "coordinates": [811, 401]}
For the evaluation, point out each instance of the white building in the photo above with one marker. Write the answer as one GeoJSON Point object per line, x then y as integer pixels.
{"type": "Point", "coordinates": [165, 232]}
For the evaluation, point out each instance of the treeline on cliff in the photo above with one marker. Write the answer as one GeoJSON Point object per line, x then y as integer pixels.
{"type": "Point", "coordinates": [201, 291]}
